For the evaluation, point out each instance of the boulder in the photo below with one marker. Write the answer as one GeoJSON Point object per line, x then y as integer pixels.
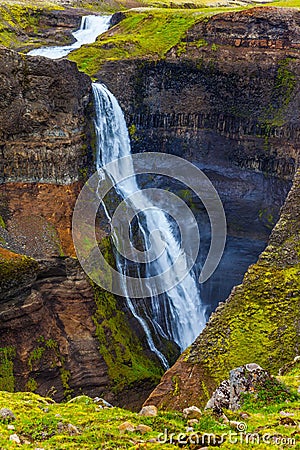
{"type": "Point", "coordinates": [244, 379]}
{"type": "Point", "coordinates": [143, 428]}
{"type": "Point", "coordinates": [7, 415]}
{"type": "Point", "coordinates": [148, 411]}
{"type": "Point", "coordinates": [15, 438]}
{"type": "Point", "coordinates": [192, 413]}
{"type": "Point", "coordinates": [126, 426]}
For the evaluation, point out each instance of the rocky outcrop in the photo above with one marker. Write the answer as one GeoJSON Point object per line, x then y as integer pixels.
{"type": "Point", "coordinates": [264, 27]}
{"type": "Point", "coordinates": [242, 380]}
{"type": "Point", "coordinates": [43, 120]}
{"type": "Point", "coordinates": [259, 321]}
{"type": "Point", "coordinates": [26, 26]}
{"type": "Point", "coordinates": [54, 326]}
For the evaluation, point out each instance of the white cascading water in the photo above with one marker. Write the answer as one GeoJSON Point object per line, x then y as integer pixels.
{"type": "Point", "coordinates": [179, 315]}
{"type": "Point", "coordinates": [90, 28]}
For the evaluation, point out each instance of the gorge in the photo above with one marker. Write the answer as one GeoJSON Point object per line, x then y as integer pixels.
{"type": "Point", "coordinates": [229, 105]}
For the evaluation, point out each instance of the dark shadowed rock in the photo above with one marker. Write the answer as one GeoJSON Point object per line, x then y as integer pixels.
{"type": "Point", "coordinates": [43, 119]}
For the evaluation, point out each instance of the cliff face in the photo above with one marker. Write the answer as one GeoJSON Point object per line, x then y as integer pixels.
{"type": "Point", "coordinates": [53, 330]}
{"type": "Point", "coordinates": [43, 119]}
{"type": "Point", "coordinates": [223, 93]}
{"type": "Point", "coordinates": [224, 98]}
{"type": "Point", "coordinates": [59, 334]}
{"type": "Point", "coordinates": [259, 321]}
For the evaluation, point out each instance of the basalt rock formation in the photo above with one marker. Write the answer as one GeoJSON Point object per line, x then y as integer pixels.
{"type": "Point", "coordinates": [43, 116]}
{"type": "Point", "coordinates": [60, 335]}
{"type": "Point", "coordinates": [259, 321]}
{"type": "Point", "coordinates": [224, 98]}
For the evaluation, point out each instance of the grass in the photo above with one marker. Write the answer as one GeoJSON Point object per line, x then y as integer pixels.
{"type": "Point", "coordinates": [18, 19]}
{"type": "Point", "coordinates": [142, 34]}
{"type": "Point", "coordinates": [42, 423]}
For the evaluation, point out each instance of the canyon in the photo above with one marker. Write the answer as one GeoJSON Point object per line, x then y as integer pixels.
{"type": "Point", "coordinates": [225, 98]}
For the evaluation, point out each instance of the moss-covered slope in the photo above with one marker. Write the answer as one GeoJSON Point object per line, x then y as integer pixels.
{"type": "Point", "coordinates": [259, 322]}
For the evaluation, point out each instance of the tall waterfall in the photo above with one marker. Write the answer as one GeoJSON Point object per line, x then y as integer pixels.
{"type": "Point", "coordinates": [91, 27]}
{"type": "Point", "coordinates": [177, 314]}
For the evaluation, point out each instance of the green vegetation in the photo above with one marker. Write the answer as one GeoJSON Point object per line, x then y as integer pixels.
{"type": "Point", "coordinates": [2, 223]}
{"type": "Point", "coordinates": [47, 350]}
{"type": "Point", "coordinates": [259, 323]}
{"type": "Point", "coordinates": [284, 85]}
{"type": "Point", "coordinates": [7, 381]}
{"type": "Point", "coordinates": [150, 33]}
{"type": "Point", "coordinates": [13, 267]}
{"type": "Point", "coordinates": [120, 347]}
{"type": "Point", "coordinates": [18, 19]}
{"type": "Point", "coordinates": [274, 410]}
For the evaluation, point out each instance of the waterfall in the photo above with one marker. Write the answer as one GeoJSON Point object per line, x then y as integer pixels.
{"type": "Point", "coordinates": [177, 314]}
{"type": "Point", "coordinates": [91, 27]}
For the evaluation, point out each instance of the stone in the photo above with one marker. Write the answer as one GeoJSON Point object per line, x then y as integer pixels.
{"type": "Point", "coordinates": [192, 422]}
{"type": "Point", "coordinates": [7, 415]}
{"type": "Point", "coordinates": [143, 428]}
{"type": "Point", "coordinates": [244, 379]}
{"type": "Point", "coordinates": [220, 398]}
{"type": "Point", "coordinates": [15, 438]}
{"type": "Point", "coordinates": [148, 411]}
{"type": "Point", "coordinates": [126, 426]}
{"type": "Point", "coordinates": [72, 429]}
{"type": "Point", "coordinates": [286, 414]}
{"type": "Point", "coordinates": [102, 403]}
{"type": "Point", "coordinates": [288, 421]}
{"type": "Point", "coordinates": [192, 413]}
{"type": "Point", "coordinates": [11, 427]}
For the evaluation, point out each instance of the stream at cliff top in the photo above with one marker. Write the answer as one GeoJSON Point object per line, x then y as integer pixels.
{"type": "Point", "coordinates": [91, 27]}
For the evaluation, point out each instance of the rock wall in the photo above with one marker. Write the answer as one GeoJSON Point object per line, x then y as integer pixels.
{"type": "Point", "coordinates": [259, 321]}
{"type": "Point", "coordinates": [229, 108]}
{"type": "Point", "coordinates": [49, 332]}
{"type": "Point", "coordinates": [44, 123]}
{"type": "Point", "coordinates": [60, 335]}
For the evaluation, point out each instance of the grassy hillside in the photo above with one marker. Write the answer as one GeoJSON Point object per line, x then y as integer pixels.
{"type": "Point", "coordinates": [81, 423]}
{"type": "Point", "coordinates": [147, 33]}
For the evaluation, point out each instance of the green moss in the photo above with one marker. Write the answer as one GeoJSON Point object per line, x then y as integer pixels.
{"type": "Point", "coordinates": [175, 381]}
{"type": "Point", "coordinates": [31, 385]}
{"type": "Point", "coordinates": [7, 380]}
{"type": "Point", "coordinates": [150, 33]}
{"type": "Point", "coordinates": [2, 223]}
{"type": "Point", "coordinates": [47, 350]}
{"type": "Point", "coordinates": [284, 86]}
{"type": "Point", "coordinates": [133, 132]}
{"type": "Point", "coordinates": [118, 344]}
{"type": "Point", "coordinates": [35, 356]}
{"type": "Point", "coordinates": [44, 424]}
{"type": "Point", "coordinates": [17, 20]}
{"type": "Point", "coordinates": [14, 268]}
{"type": "Point", "coordinates": [259, 322]}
